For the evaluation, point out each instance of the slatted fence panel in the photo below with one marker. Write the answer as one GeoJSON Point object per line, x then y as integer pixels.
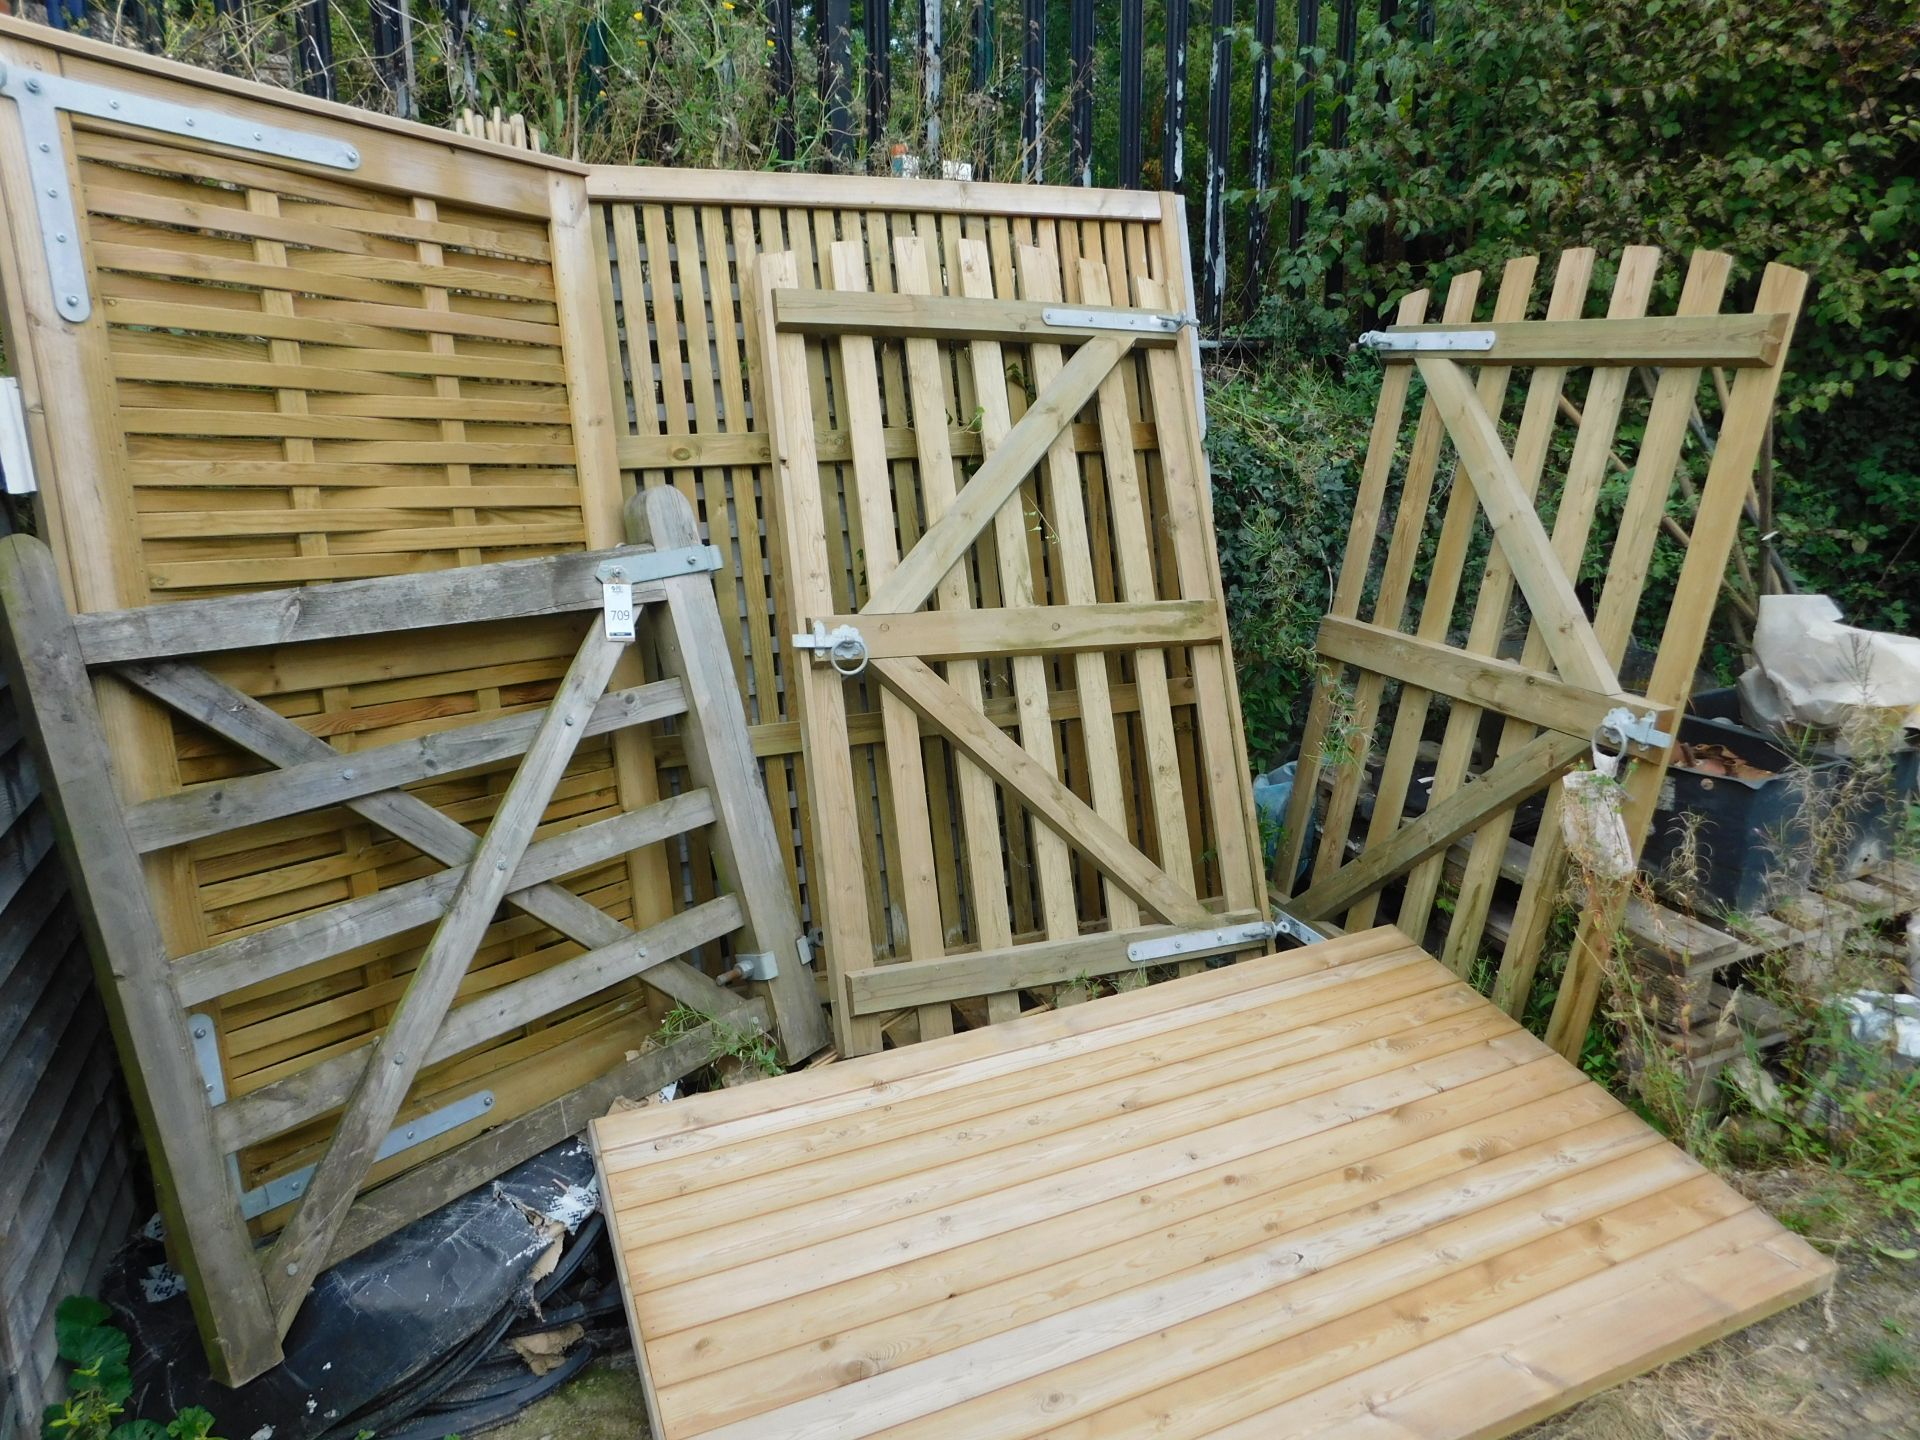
{"type": "Point", "coordinates": [691, 360]}
{"type": "Point", "coordinates": [67, 1191]}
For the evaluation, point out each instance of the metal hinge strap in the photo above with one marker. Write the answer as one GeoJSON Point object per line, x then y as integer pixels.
{"type": "Point", "coordinates": [1140, 322]}
{"type": "Point", "coordinates": [1408, 342]}
{"type": "Point", "coordinates": [1191, 944]}
{"type": "Point", "coordinates": [41, 97]}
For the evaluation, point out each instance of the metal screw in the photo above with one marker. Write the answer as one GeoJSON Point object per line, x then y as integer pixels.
{"type": "Point", "coordinates": [113, 104]}
{"type": "Point", "coordinates": [500, 865]}
{"type": "Point", "coordinates": [486, 1102]}
{"type": "Point", "coordinates": [569, 720]}
{"type": "Point", "coordinates": [410, 1132]}
{"type": "Point", "coordinates": [33, 87]}
{"type": "Point", "coordinates": [292, 1269]}
{"type": "Point", "coordinates": [346, 774]}
{"type": "Point", "coordinates": [53, 192]}
{"type": "Point", "coordinates": [73, 300]}
{"type": "Point", "coordinates": [45, 148]}
{"type": "Point", "coordinates": [200, 1031]}
{"type": "Point", "coordinates": [353, 156]}
{"type": "Point", "coordinates": [399, 1059]}
{"type": "Point", "coordinates": [258, 135]}
{"type": "Point", "coordinates": [693, 562]}
{"type": "Point", "coordinates": [60, 237]}
{"type": "Point", "coordinates": [189, 122]}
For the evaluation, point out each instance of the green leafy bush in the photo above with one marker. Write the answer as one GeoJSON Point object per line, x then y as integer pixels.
{"type": "Point", "coordinates": [99, 1383]}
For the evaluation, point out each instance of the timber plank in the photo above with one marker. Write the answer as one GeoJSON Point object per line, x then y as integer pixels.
{"type": "Point", "coordinates": [1304, 1186]}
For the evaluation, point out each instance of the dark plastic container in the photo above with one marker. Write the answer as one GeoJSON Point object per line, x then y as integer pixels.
{"type": "Point", "coordinates": [1877, 814]}
{"type": "Point", "coordinates": [1749, 847]}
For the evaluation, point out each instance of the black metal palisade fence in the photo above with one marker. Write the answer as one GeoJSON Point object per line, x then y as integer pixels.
{"type": "Point", "coordinates": [1097, 93]}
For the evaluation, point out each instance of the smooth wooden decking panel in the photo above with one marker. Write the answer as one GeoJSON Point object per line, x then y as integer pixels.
{"type": "Point", "coordinates": [1333, 1192]}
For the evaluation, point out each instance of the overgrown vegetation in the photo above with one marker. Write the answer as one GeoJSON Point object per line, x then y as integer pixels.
{"type": "Point", "coordinates": [750, 1049]}
{"type": "Point", "coordinates": [98, 1384]}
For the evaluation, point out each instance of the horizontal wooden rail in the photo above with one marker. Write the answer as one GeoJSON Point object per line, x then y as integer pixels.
{"type": "Point", "coordinates": [1502, 685]}
{"type": "Point", "coordinates": [1044, 629]}
{"type": "Point", "coordinates": [1035, 962]}
{"type": "Point", "coordinates": [946, 317]}
{"type": "Point", "coordinates": [720, 447]}
{"type": "Point", "coordinates": [425, 1187]}
{"type": "Point", "coordinates": [1733, 341]}
{"type": "Point", "coordinates": [511, 590]}
{"type": "Point", "coordinates": [644, 183]}
{"type": "Point", "coordinates": [278, 1107]}
{"type": "Point", "coordinates": [225, 805]}
{"type": "Point", "coordinates": [262, 955]}
{"type": "Point", "coordinates": [1512, 779]}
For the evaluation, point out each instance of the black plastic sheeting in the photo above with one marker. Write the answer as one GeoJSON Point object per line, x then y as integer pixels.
{"type": "Point", "coordinates": [407, 1339]}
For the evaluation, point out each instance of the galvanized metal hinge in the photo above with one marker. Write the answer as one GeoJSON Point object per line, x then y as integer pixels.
{"type": "Point", "coordinates": [1408, 342]}
{"type": "Point", "coordinates": [1192, 944]}
{"type": "Point", "coordinates": [1139, 322]}
{"type": "Point", "coordinates": [618, 577]}
{"type": "Point", "coordinates": [285, 1188]}
{"type": "Point", "coordinates": [41, 97]}
{"type": "Point", "coordinates": [1620, 727]}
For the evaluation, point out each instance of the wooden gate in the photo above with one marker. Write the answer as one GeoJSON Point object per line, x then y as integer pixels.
{"type": "Point", "coordinates": [1526, 681]}
{"type": "Point", "coordinates": [419, 1071]}
{"type": "Point", "coordinates": [1072, 597]}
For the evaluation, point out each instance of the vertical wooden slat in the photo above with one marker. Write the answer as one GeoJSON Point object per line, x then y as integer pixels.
{"type": "Point", "coordinates": [1743, 430]}
{"type": "Point", "coordinates": [1080, 58]}
{"type": "Point", "coordinates": [980, 828]}
{"type": "Point", "coordinates": [839, 880]}
{"type": "Point", "coordinates": [1213, 242]}
{"type": "Point", "coordinates": [1436, 617]}
{"type": "Point", "coordinates": [1066, 505]}
{"type": "Point", "coordinates": [1132, 547]}
{"type": "Point", "coordinates": [1572, 279]}
{"type": "Point", "coordinates": [1033, 89]}
{"type": "Point", "coordinates": [1572, 523]}
{"type": "Point", "coordinates": [1173, 124]}
{"type": "Point", "coordinates": [991, 381]}
{"type": "Point", "coordinates": [1362, 706]}
{"type": "Point", "coordinates": [1369, 503]}
{"type": "Point", "coordinates": [1132, 122]}
{"type": "Point", "coordinates": [1305, 112]}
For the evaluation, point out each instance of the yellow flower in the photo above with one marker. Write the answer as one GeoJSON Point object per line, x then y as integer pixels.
{"type": "Point", "coordinates": [726, 4]}
{"type": "Point", "coordinates": [636, 14]}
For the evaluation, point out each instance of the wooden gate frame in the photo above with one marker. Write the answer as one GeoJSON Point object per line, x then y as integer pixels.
{"type": "Point", "coordinates": [1556, 696]}
{"type": "Point", "coordinates": [899, 638]}
{"type": "Point", "coordinates": [244, 1301]}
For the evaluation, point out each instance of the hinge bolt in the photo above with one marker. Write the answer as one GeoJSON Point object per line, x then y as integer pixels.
{"type": "Point", "coordinates": [33, 87]}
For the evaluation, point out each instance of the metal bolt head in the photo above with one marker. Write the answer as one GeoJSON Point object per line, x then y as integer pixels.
{"type": "Point", "coordinates": [60, 237]}
{"type": "Point", "coordinates": [259, 135]}
{"type": "Point", "coordinates": [33, 87]}
{"type": "Point", "coordinates": [53, 192]}
{"type": "Point", "coordinates": [568, 720]}
{"type": "Point", "coordinates": [292, 1269]}
{"type": "Point", "coordinates": [693, 562]}
{"type": "Point", "coordinates": [73, 300]}
{"type": "Point", "coordinates": [399, 1059]}
{"type": "Point", "coordinates": [45, 148]}
{"type": "Point", "coordinates": [113, 104]}
{"type": "Point", "coordinates": [189, 122]}
{"type": "Point", "coordinates": [346, 774]}
{"type": "Point", "coordinates": [486, 1102]}
{"type": "Point", "coordinates": [200, 1031]}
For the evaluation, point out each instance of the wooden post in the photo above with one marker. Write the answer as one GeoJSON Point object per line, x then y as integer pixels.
{"type": "Point", "coordinates": [63, 727]}
{"type": "Point", "coordinates": [691, 642]}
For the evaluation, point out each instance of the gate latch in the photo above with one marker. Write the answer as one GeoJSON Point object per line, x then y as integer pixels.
{"type": "Point", "coordinates": [842, 647]}
{"type": "Point", "coordinates": [1620, 727]}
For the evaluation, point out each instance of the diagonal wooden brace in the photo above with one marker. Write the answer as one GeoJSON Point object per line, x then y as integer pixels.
{"type": "Point", "coordinates": [1052, 802]}
{"type": "Point", "coordinates": [302, 1247]}
{"type": "Point", "coordinates": [270, 735]}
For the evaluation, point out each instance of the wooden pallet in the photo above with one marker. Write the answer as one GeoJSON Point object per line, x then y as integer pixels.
{"type": "Point", "coordinates": [1331, 1192]}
